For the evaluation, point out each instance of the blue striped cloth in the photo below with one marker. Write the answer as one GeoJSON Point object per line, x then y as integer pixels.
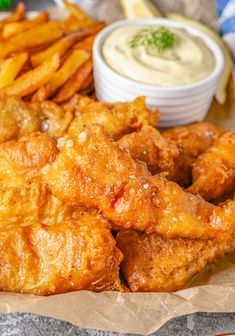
{"type": "Point", "coordinates": [226, 20]}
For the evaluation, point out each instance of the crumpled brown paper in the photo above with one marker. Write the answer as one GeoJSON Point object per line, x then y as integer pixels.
{"type": "Point", "coordinates": [140, 313]}
{"type": "Point", "coordinates": [212, 290]}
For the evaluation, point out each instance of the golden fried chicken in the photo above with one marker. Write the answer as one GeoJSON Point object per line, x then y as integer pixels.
{"type": "Point", "coordinates": [154, 264]}
{"type": "Point", "coordinates": [24, 159]}
{"type": "Point", "coordinates": [73, 255]}
{"type": "Point", "coordinates": [19, 118]}
{"type": "Point", "coordinates": [23, 196]}
{"type": "Point", "coordinates": [214, 170]}
{"type": "Point", "coordinates": [118, 119]}
{"type": "Point", "coordinates": [54, 119]}
{"type": "Point", "coordinates": [16, 119]}
{"type": "Point", "coordinates": [149, 146]}
{"type": "Point", "coordinates": [191, 141]}
{"type": "Point", "coordinates": [95, 172]}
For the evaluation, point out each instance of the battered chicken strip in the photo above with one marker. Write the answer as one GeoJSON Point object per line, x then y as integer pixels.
{"type": "Point", "coordinates": [154, 264]}
{"type": "Point", "coordinates": [95, 172]}
{"type": "Point", "coordinates": [118, 119]}
{"type": "Point", "coordinates": [23, 159]}
{"type": "Point", "coordinates": [214, 170]}
{"type": "Point", "coordinates": [19, 118]}
{"type": "Point", "coordinates": [74, 255]}
{"type": "Point", "coordinates": [23, 197]}
{"type": "Point", "coordinates": [16, 119]}
{"type": "Point", "coordinates": [191, 141]}
{"type": "Point", "coordinates": [54, 119]}
{"type": "Point", "coordinates": [149, 146]}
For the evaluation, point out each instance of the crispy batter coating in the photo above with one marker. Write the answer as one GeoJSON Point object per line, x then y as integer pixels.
{"type": "Point", "coordinates": [74, 255]}
{"type": "Point", "coordinates": [149, 146]}
{"type": "Point", "coordinates": [214, 170]}
{"type": "Point", "coordinates": [19, 118]}
{"type": "Point", "coordinates": [95, 172]}
{"type": "Point", "coordinates": [54, 119]}
{"type": "Point", "coordinates": [23, 196]}
{"type": "Point", "coordinates": [33, 203]}
{"type": "Point", "coordinates": [25, 158]}
{"type": "Point", "coordinates": [191, 141]}
{"type": "Point", "coordinates": [16, 119]}
{"type": "Point", "coordinates": [118, 119]}
{"type": "Point", "coordinates": [154, 264]}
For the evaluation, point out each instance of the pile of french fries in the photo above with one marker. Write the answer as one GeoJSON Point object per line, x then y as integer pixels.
{"type": "Point", "coordinates": [44, 59]}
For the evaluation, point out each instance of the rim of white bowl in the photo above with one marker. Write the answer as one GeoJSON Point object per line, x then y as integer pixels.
{"type": "Point", "coordinates": [213, 46]}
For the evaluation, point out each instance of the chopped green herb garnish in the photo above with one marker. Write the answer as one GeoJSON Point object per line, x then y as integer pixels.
{"type": "Point", "coordinates": [4, 4]}
{"type": "Point", "coordinates": [160, 39]}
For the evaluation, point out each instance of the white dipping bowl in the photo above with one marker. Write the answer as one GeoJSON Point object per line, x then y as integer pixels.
{"type": "Point", "coordinates": [178, 104]}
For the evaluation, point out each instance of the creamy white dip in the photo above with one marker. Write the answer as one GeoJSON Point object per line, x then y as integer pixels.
{"type": "Point", "coordinates": [187, 61]}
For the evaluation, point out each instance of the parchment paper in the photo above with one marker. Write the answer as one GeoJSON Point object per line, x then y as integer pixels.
{"type": "Point", "coordinates": [213, 290]}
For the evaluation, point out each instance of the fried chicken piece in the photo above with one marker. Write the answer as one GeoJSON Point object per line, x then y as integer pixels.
{"type": "Point", "coordinates": [95, 172]}
{"type": "Point", "coordinates": [154, 264]}
{"type": "Point", "coordinates": [19, 118]}
{"type": "Point", "coordinates": [172, 152]}
{"type": "Point", "coordinates": [54, 119]}
{"type": "Point", "coordinates": [24, 159]}
{"type": "Point", "coordinates": [16, 119]}
{"type": "Point", "coordinates": [191, 141]}
{"type": "Point", "coordinates": [214, 170]}
{"type": "Point", "coordinates": [31, 203]}
{"type": "Point", "coordinates": [118, 119]}
{"type": "Point", "coordinates": [24, 198]}
{"type": "Point", "coordinates": [149, 146]}
{"type": "Point", "coordinates": [74, 255]}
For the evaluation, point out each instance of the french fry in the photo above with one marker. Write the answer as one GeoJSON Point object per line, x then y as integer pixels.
{"type": "Point", "coordinates": [88, 82]}
{"type": "Point", "coordinates": [10, 67]}
{"type": "Point", "coordinates": [76, 12]}
{"type": "Point", "coordinates": [32, 38]}
{"type": "Point", "coordinates": [86, 44]}
{"type": "Point", "coordinates": [75, 83]}
{"type": "Point", "coordinates": [59, 47]}
{"type": "Point", "coordinates": [32, 80]}
{"type": "Point", "coordinates": [14, 28]}
{"type": "Point", "coordinates": [26, 67]}
{"type": "Point", "coordinates": [68, 69]}
{"type": "Point", "coordinates": [39, 95]}
{"type": "Point", "coordinates": [88, 86]}
{"type": "Point", "coordinates": [16, 15]}
{"type": "Point", "coordinates": [71, 25]}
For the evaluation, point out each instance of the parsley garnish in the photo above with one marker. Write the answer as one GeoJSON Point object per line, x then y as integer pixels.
{"type": "Point", "coordinates": [160, 39]}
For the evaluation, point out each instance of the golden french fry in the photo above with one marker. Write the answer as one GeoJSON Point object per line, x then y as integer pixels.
{"type": "Point", "coordinates": [68, 69]}
{"type": "Point", "coordinates": [32, 38]}
{"type": "Point", "coordinates": [70, 24]}
{"type": "Point", "coordinates": [10, 67]}
{"type": "Point", "coordinates": [59, 47]}
{"type": "Point", "coordinates": [88, 82]}
{"type": "Point", "coordinates": [39, 95]}
{"type": "Point", "coordinates": [89, 87]}
{"type": "Point", "coordinates": [76, 12]}
{"type": "Point", "coordinates": [14, 28]}
{"type": "Point", "coordinates": [75, 83]}
{"type": "Point", "coordinates": [86, 44]}
{"type": "Point", "coordinates": [16, 15]}
{"type": "Point", "coordinates": [33, 79]}
{"type": "Point", "coordinates": [26, 67]}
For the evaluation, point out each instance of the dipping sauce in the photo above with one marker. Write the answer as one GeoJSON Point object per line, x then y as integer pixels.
{"type": "Point", "coordinates": [185, 60]}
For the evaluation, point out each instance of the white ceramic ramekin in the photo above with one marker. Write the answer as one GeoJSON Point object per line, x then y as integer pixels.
{"type": "Point", "coordinates": [181, 104]}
